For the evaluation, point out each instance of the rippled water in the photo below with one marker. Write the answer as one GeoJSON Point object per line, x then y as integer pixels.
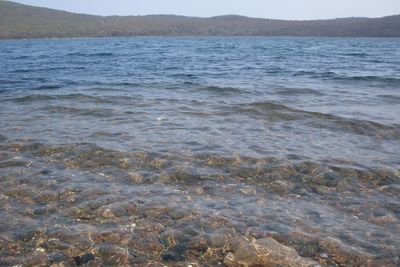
{"type": "Point", "coordinates": [201, 151]}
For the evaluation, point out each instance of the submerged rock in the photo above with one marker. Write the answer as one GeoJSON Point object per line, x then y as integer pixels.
{"type": "Point", "coordinates": [83, 259]}
{"type": "Point", "coordinates": [175, 253]}
{"type": "Point", "coordinates": [266, 252]}
{"type": "Point", "coordinates": [112, 255]}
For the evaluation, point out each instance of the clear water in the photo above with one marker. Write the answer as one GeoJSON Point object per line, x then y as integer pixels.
{"type": "Point", "coordinates": [295, 139]}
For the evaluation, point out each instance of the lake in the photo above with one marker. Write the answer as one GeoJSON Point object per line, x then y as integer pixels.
{"type": "Point", "coordinates": [200, 151]}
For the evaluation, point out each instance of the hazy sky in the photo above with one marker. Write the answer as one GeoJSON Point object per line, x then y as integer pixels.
{"type": "Point", "coordinates": [282, 9]}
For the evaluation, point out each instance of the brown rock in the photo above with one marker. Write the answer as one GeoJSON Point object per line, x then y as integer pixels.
{"type": "Point", "coordinates": [217, 240]}
{"type": "Point", "coordinates": [266, 252]}
{"type": "Point", "coordinates": [344, 254]}
{"type": "Point", "coordinates": [112, 255]}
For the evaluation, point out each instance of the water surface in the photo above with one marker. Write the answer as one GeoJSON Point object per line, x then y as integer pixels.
{"type": "Point", "coordinates": [202, 151]}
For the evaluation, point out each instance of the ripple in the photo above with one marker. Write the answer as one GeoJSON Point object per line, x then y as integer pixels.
{"type": "Point", "coordinates": [279, 112]}
{"type": "Point", "coordinates": [83, 98]}
{"type": "Point", "coordinates": [99, 54]}
{"type": "Point", "coordinates": [221, 90]}
{"type": "Point", "coordinates": [335, 76]}
{"type": "Point", "coordinates": [32, 98]}
{"type": "Point", "coordinates": [299, 92]}
{"type": "Point", "coordinates": [47, 87]}
{"type": "Point", "coordinates": [389, 98]}
{"type": "Point", "coordinates": [359, 54]}
{"type": "Point", "coordinates": [93, 112]}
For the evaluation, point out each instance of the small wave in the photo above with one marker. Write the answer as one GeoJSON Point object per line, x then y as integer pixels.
{"type": "Point", "coordinates": [63, 68]}
{"type": "Point", "coordinates": [3, 81]}
{"type": "Point", "coordinates": [108, 134]}
{"type": "Point", "coordinates": [101, 54]}
{"type": "Point", "coordinates": [22, 71]}
{"type": "Point", "coordinates": [392, 99]}
{"type": "Point", "coordinates": [47, 69]}
{"type": "Point", "coordinates": [111, 86]}
{"type": "Point", "coordinates": [47, 87]}
{"type": "Point", "coordinates": [132, 84]}
{"type": "Point", "coordinates": [275, 71]}
{"type": "Point", "coordinates": [268, 106]}
{"type": "Point", "coordinates": [381, 79]}
{"type": "Point", "coordinates": [74, 97]}
{"type": "Point", "coordinates": [279, 112]}
{"type": "Point", "coordinates": [356, 54]}
{"type": "Point", "coordinates": [268, 110]}
{"type": "Point", "coordinates": [82, 97]}
{"type": "Point", "coordinates": [102, 113]}
{"type": "Point", "coordinates": [314, 74]}
{"type": "Point", "coordinates": [221, 90]}
{"type": "Point", "coordinates": [21, 57]}
{"type": "Point", "coordinates": [52, 68]}
{"type": "Point", "coordinates": [62, 109]}
{"type": "Point", "coordinates": [107, 89]}
{"type": "Point", "coordinates": [356, 78]}
{"type": "Point", "coordinates": [298, 91]}
{"type": "Point", "coordinates": [357, 126]}
{"type": "Point", "coordinates": [33, 98]}
{"type": "Point", "coordinates": [189, 83]}
{"type": "Point", "coordinates": [184, 75]}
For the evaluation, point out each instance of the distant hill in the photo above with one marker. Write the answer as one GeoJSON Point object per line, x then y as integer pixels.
{"type": "Point", "coordinates": [22, 21]}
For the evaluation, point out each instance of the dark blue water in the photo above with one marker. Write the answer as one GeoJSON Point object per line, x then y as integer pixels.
{"type": "Point", "coordinates": [295, 138]}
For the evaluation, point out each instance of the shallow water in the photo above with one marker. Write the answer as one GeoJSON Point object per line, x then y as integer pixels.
{"type": "Point", "coordinates": [201, 151]}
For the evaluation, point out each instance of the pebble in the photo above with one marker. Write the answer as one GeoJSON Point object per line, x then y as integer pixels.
{"type": "Point", "coordinates": [324, 255]}
{"type": "Point", "coordinates": [83, 259]}
{"type": "Point", "coordinates": [175, 253]}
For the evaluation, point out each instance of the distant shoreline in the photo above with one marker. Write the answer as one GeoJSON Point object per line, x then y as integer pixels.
{"type": "Point", "coordinates": [194, 37]}
{"type": "Point", "coordinates": [20, 21]}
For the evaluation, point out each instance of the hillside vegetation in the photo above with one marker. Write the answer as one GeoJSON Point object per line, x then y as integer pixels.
{"type": "Point", "coordinates": [22, 21]}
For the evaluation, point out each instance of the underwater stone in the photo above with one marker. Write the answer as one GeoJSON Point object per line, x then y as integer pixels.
{"type": "Point", "coordinates": [174, 253]}
{"type": "Point", "coordinates": [80, 260]}
{"type": "Point", "coordinates": [266, 252]}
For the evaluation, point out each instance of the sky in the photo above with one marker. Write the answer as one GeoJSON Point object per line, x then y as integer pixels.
{"type": "Point", "coordinates": [275, 9]}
